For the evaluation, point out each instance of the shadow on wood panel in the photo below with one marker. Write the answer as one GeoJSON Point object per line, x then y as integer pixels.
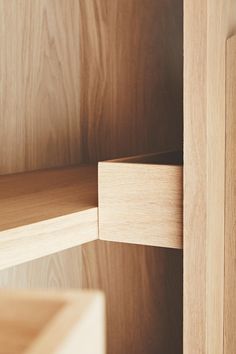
{"type": "Point", "coordinates": [143, 286]}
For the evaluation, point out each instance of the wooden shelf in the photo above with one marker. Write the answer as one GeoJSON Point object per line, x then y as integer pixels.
{"type": "Point", "coordinates": [46, 211]}
{"type": "Point", "coordinates": [141, 200]}
{"type": "Point", "coordinates": [49, 322]}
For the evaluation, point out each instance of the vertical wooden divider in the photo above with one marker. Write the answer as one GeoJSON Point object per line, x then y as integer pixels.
{"type": "Point", "coordinates": [230, 201]}
{"type": "Point", "coordinates": [207, 25]}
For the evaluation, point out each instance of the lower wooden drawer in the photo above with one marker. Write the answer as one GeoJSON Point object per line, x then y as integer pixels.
{"type": "Point", "coordinates": [141, 200]}
{"type": "Point", "coordinates": [49, 322]}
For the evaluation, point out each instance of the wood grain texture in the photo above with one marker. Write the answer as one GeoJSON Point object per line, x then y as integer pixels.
{"type": "Point", "coordinates": [28, 198]}
{"type": "Point", "coordinates": [206, 27]}
{"type": "Point", "coordinates": [143, 287]}
{"type": "Point", "coordinates": [131, 95]}
{"type": "Point", "coordinates": [30, 242]}
{"type": "Point", "coordinates": [230, 201]}
{"type": "Point", "coordinates": [51, 322]}
{"type": "Point", "coordinates": [44, 212]}
{"type": "Point", "coordinates": [131, 69]}
{"type": "Point", "coordinates": [141, 203]}
{"type": "Point", "coordinates": [61, 270]}
{"type": "Point", "coordinates": [83, 81]}
{"type": "Point", "coordinates": [39, 87]}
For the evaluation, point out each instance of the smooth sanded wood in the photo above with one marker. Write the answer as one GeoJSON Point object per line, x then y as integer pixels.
{"type": "Point", "coordinates": [207, 24]}
{"type": "Point", "coordinates": [131, 77]}
{"type": "Point", "coordinates": [141, 203]}
{"type": "Point", "coordinates": [27, 198]}
{"type": "Point", "coordinates": [230, 201]}
{"type": "Point", "coordinates": [131, 95]}
{"type": "Point", "coordinates": [143, 297]}
{"type": "Point", "coordinates": [40, 124]}
{"type": "Point", "coordinates": [84, 81]}
{"type": "Point", "coordinates": [36, 322]}
{"type": "Point", "coordinates": [43, 212]}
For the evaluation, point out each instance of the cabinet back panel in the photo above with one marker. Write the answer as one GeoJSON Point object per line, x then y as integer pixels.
{"type": "Point", "coordinates": [131, 76]}
{"type": "Point", "coordinates": [88, 80]}
{"type": "Point", "coordinates": [39, 86]}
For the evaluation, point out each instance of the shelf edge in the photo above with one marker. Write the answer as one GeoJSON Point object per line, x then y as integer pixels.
{"type": "Point", "coordinates": [27, 243]}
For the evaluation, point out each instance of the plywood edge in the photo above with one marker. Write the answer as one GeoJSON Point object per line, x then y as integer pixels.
{"type": "Point", "coordinates": [30, 242]}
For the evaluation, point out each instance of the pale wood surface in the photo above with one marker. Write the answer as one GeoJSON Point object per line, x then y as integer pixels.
{"type": "Point", "coordinates": [143, 287]}
{"type": "Point", "coordinates": [83, 81]}
{"type": "Point", "coordinates": [230, 202]}
{"type": "Point", "coordinates": [37, 240]}
{"type": "Point", "coordinates": [139, 290]}
{"type": "Point", "coordinates": [131, 95]}
{"type": "Point", "coordinates": [40, 86]}
{"type": "Point", "coordinates": [21, 319]}
{"type": "Point", "coordinates": [207, 24]}
{"type": "Point", "coordinates": [28, 198]}
{"type": "Point", "coordinates": [141, 203]}
{"type": "Point", "coordinates": [55, 323]}
{"type": "Point", "coordinates": [44, 212]}
{"type": "Point", "coordinates": [59, 270]}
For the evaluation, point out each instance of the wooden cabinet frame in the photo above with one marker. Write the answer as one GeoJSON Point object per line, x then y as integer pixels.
{"type": "Point", "coordinates": [207, 175]}
{"type": "Point", "coordinates": [83, 81]}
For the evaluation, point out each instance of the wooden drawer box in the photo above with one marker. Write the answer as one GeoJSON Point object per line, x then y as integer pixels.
{"type": "Point", "coordinates": [141, 200]}
{"type": "Point", "coordinates": [49, 322]}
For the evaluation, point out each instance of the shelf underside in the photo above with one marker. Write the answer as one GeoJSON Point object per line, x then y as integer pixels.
{"type": "Point", "coordinates": [46, 211]}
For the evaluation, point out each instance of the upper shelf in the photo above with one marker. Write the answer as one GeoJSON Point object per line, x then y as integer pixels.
{"type": "Point", "coordinates": [46, 211]}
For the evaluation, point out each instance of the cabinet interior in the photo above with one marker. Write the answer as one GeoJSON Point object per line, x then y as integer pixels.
{"type": "Point", "coordinates": [82, 82]}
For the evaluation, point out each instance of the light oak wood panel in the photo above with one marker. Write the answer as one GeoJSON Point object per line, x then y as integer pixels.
{"type": "Point", "coordinates": [27, 198]}
{"type": "Point", "coordinates": [33, 241]}
{"type": "Point", "coordinates": [207, 24]}
{"type": "Point", "coordinates": [131, 77]}
{"type": "Point", "coordinates": [21, 321]}
{"type": "Point", "coordinates": [61, 270]}
{"type": "Point", "coordinates": [131, 96]}
{"type": "Point", "coordinates": [39, 87]}
{"type": "Point", "coordinates": [44, 212]}
{"type": "Point", "coordinates": [48, 322]}
{"type": "Point", "coordinates": [115, 90]}
{"type": "Point", "coordinates": [142, 203]}
{"type": "Point", "coordinates": [143, 287]}
{"type": "Point", "coordinates": [230, 201]}
{"type": "Point", "coordinates": [139, 283]}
